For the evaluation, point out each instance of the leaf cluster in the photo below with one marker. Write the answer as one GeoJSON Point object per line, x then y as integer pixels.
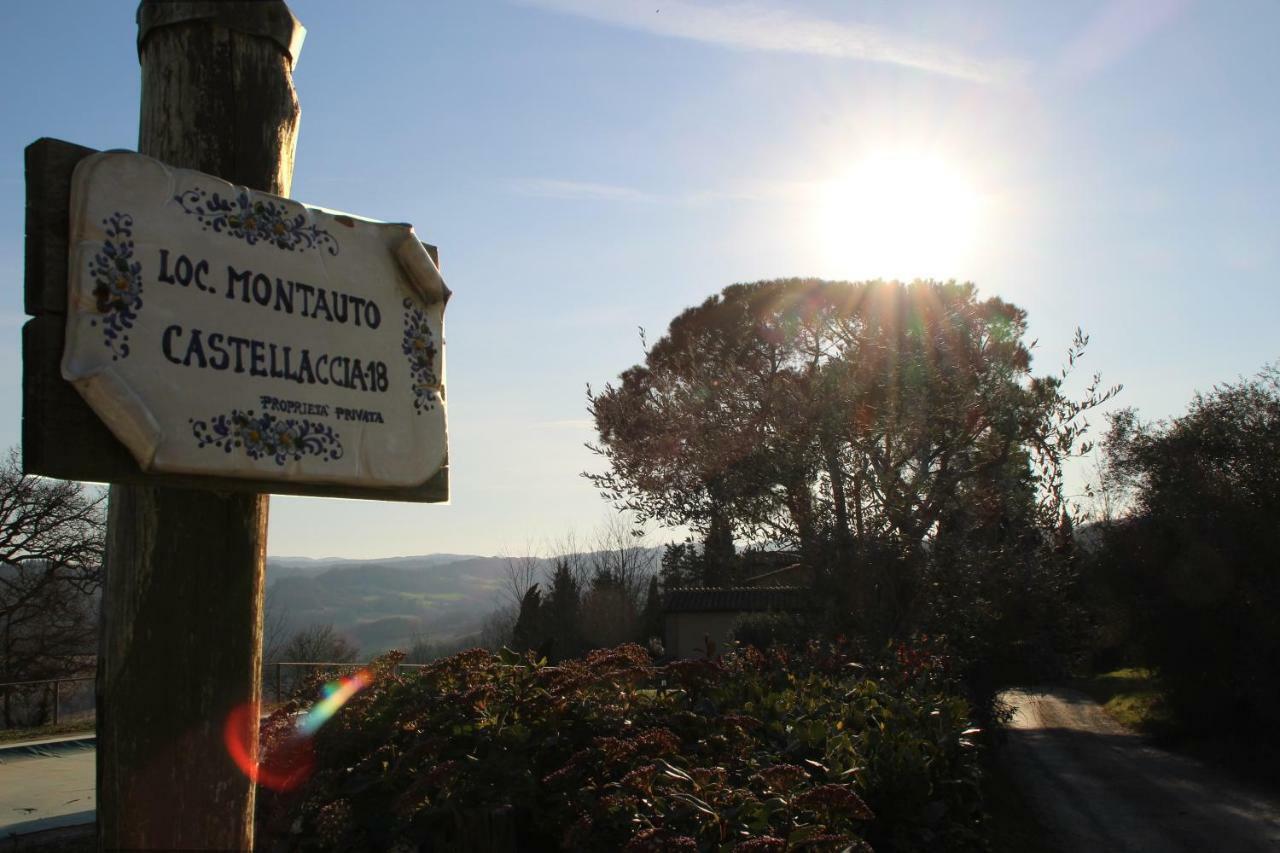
{"type": "Point", "coordinates": [816, 414]}
{"type": "Point", "coordinates": [798, 750]}
{"type": "Point", "coordinates": [1196, 559]}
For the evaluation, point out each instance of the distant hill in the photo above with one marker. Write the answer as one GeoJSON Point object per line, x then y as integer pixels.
{"type": "Point", "coordinates": [384, 604]}
{"type": "Point", "coordinates": [287, 567]}
{"type": "Point", "coordinates": [390, 603]}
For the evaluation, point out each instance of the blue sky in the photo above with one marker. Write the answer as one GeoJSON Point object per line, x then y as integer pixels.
{"type": "Point", "coordinates": [588, 168]}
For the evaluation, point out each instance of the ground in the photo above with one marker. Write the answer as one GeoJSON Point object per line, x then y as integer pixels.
{"type": "Point", "coordinates": [46, 785]}
{"type": "Point", "coordinates": [1098, 786]}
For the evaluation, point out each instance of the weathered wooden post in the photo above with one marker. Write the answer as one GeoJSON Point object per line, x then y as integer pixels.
{"type": "Point", "coordinates": [198, 340]}
{"type": "Point", "coordinates": [181, 641]}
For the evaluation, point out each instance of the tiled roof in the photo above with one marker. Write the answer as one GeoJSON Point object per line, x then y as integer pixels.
{"type": "Point", "coordinates": [734, 599]}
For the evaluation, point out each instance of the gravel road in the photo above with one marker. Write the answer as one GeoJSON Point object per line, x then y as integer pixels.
{"type": "Point", "coordinates": [1100, 788]}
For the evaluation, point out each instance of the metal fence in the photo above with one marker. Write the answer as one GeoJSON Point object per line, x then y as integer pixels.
{"type": "Point", "coordinates": [52, 700]}
{"type": "Point", "coordinates": [45, 701]}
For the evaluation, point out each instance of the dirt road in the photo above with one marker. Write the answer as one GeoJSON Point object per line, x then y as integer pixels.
{"type": "Point", "coordinates": [1099, 788]}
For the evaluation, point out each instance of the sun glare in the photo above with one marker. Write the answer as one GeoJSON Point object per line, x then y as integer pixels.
{"type": "Point", "coordinates": [899, 216]}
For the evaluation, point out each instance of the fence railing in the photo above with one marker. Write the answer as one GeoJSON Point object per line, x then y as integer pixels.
{"type": "Point", "coordinates": [7, 689]}
{"type": "Point", "coordinates": [282, 674]}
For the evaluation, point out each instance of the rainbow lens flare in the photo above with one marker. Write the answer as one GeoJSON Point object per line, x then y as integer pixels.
{"type": "Point", "coordinates": [336, 694]}
{"type": "Point", "coordinates": [291, 761]}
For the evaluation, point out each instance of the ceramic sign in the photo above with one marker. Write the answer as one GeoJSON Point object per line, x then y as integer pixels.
{"type": "Point", "coordinates": [226, 332]}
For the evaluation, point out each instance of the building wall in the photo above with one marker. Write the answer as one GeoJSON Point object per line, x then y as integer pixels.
{"type": "Point", "coordinates": [685, 632]}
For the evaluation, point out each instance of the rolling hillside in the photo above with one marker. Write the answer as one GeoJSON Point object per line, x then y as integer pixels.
{"type": "Point", "coordinates": [384, 604]}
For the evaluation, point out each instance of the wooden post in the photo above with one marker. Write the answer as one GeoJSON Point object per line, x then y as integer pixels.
{"type": "Point", "coordinates": [181, 641]}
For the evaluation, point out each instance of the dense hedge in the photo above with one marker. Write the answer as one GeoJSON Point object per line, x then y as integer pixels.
{"type": "Point", "coordinates": [751, 752]}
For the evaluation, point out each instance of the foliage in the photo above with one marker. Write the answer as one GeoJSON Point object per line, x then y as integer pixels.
{"type": "Point", "coordinates": [1004, 593]}
{"type": "Point", "coordinates": [51, 547]}
{"type": "Point", "coordinates": [818, 414]}
{"type": "Point", "coordinates": [1198, 554]}
{"type": "Point", "coordinates": [563, 612]}
{"type": "Point", "coordinates": [423, 649]}
{"type": "Point", "coordinates": [529, 633]}
{"type": "Point", "coordinates": [1133, 696]}
{"type": "Point", "coordinates": [586, 599]}
{"type": "Point", "coordinates": [767, 630]}
{"type": "Point", "coordinates": [755, 751]}
{"type": "Point", "coordinates": [319, 644]}
{"type": "Point", "coordinates": [893, 436]}
{"type": "Point", "coordinates": [714, 562]}
{"type": "Point", "coordinates": [651, 617]}
{"type": "Point", "coordinates": [681, 565]}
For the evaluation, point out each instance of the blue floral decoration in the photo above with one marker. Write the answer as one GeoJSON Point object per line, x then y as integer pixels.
{"type": "Point", "coordinates": [267, 437]}
{"type": "Point", "coordinates": [255, 221]}
{"type": "Point", "coordinates": [419, 347]}
{"type": "Point", "coordinates": [117, 286]}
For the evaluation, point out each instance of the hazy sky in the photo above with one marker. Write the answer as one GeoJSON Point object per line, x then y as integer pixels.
{"type": "Point", "coordinates": [590, 167]}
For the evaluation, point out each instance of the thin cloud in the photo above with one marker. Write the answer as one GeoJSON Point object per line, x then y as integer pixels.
{"type": "Point", "coordinates": [754, 26]}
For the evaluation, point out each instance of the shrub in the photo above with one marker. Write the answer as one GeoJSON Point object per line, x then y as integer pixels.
{"type": "Point", "coordinates": [765, 630]}
{"type": "Point", "coordinates": [756, 751]}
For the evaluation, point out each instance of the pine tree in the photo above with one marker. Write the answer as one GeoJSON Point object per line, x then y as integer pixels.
{"type": "Point", "coordinates": [719, 557]}
{"type": "Point", "coordinates": [563, 613]}
{"type": "Point", "coordinates": [529, 633]}
{"type": "Point", "coordinates": [651, 622]}
{"type": "Point", "coordinates": [681, 565]}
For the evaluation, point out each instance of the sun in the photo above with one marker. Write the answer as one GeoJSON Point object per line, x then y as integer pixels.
{"type": "Point", "coordinates": [899, 216]}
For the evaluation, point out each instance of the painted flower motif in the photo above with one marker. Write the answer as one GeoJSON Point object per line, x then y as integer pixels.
{"type": "Point", "coordinates": [267, 437]}
{"type": "Point", "coordinates": [117, 279]}
{"type": "Point", "coordinates": [255, 221]}
{"type": "Point", "coordinates": [419, 348]}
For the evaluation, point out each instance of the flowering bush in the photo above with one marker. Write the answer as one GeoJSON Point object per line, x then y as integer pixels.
{"type": "Point", "coordinates": [752, 752]}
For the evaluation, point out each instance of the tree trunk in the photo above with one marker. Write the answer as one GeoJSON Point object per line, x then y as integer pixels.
{"type": "Point", "coordinates": [843, 537]}
{"type": "Point", "coordinates": [181, 641]}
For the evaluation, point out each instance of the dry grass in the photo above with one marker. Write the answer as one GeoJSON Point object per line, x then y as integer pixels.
{"type": "Point", "coordinates": [72, 727]}
{"type": "Point", "coordinates": [1133, 697]}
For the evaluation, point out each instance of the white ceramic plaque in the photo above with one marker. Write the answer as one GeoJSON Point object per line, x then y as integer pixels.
{"type": "Point", "coordinates": [232, 333]}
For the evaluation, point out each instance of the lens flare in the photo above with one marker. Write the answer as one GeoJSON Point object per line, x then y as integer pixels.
{"type": "Point", "coordinates": [292, 759]}
{"type": "Point", "coordinates": [336, 694]}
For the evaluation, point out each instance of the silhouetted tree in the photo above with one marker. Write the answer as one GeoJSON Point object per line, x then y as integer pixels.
{"type": "Point", "coordinates": [319, 644]}
{"type": "Point", "coordinates": [651, 624]}
{"type": "Point", "coordinates": [1198, 555]}
{"type": "Point", "coordinates": [51, 547]}
{"type": "Point", "coordinates": [563, 612]}
{"type": "Point", "coordinates": [719, 556]}
{"type": "Point", "coordinates": [818, 414]}
{"type": "Point", "coordinates": [498, 626]}
{"type": "Point", "coordinates": [610, 613]}
{"type": "Point", "coordinates": [854, 423]}
{"type": "Point", "coordinates": [681, 565]}
{"type": "Point", "coordinates": [529, 633]}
